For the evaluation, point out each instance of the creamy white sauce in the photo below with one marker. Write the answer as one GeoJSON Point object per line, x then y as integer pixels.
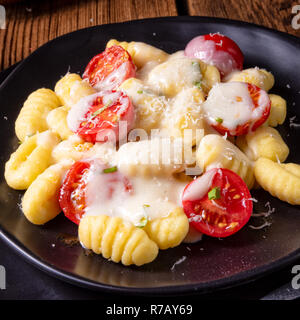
{"type": "Point", "coordinates": [173, 75]}
{"type": "Point", "coordinates": [199, 187]}
{"type": "Point", "coordinates": [232, 103]}
{"type": "Point", "coordinates": [149, 198]}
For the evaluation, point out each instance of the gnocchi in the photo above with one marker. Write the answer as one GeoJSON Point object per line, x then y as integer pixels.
{"type": "Point", "coordinates": [117, 240]}
{"type": "Point", "coordinates": [265, 142]}
{"type": "Point", "coordinates": [32, 157]}
{"type": "Point", "coordinates": [32, 117]}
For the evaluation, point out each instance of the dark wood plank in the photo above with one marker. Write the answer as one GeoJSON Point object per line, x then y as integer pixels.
{"type": "Point", "coordinates": [276, 14]}
{"type": "Point", "coordinates": [30, 24]}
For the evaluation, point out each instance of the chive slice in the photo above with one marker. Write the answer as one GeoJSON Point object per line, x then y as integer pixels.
{"type": "Point", "coordinates": [109, 170]}
{"type": "Point", "coordinates": [146, 205]}
{"type": "Point", "coordinates": [219, 120]}
{"type": "Point", "coordinates": [197, 84]}
{"type": "Point", "coordinates": [140, 91]}
{"type": "Point", "coordinates": [101, 109]}
{"type": "Point", "coordinates": [214, 193]}
{"type": "Point", "coordinates": [143, 222]}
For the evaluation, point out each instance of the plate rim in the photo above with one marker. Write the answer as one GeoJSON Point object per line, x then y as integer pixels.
{"type": "Point", "coordinates": [237, 279]}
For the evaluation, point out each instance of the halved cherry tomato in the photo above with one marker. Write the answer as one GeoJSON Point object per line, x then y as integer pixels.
{"type": "Point", "coordinates": [72, 191]}
{"type": "Point", "coordinates": [73, 198]}
{"type": "Point", "coordinates": [107, 70]}
{"type": "Point", "coordinates": [218, 203]}
{"type": "Point", "coordinates": [236, 108]}
{"type": "Point", "coordinates": [97, 118]}
{"type": "Point", "coordinates": [218, 50]}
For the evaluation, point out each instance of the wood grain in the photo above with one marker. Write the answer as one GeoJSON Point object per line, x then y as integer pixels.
{"type": "Point", "coordinates": [30, 24]}
{"type": "Point", "coordinates": [276, 14]}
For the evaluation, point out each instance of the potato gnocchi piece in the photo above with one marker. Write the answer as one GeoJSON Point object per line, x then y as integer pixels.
{"type": "Point", "coordinates": [31, 158]}
{"type": "Point", "coordinates": [259, 77]}
{"type": "Point", "coordinates": [149, 158]}
{"type": "Point", "coordinates": [265, 142]}
{"type": "Point", "coordinates": [278, 180]}
{"type": "Point", "coordinates": [57, 122]}
{"type": "Point", "coordinates": [71, 88]}
{"type": "Point", "coordinates": [32, 117]}
{"type": "Point", "coordinates": [171, 76]}
{"type": "Point", "coordinates": [292, 168]}
{"type": "Point", "coordinates": [278, 111]}
{"type": "Point", "coordinates": [216, 152]}
{"type": "Point", "coordinates": [73, 148]}
{"type": "Point", "coordinates": [210, 74]}
{"type": "Point", "coordinates": [140, 52]}
{"type": "Point", "coordinates": [116, 240]}
{"type": "Point", "coordinates": [40, 202]}
{"type": "Point", "coordinates": [148, 106]}
{"type": "Point", "coordinates": [168, 232]}
{"type": "Point", "coordinates": [185, 113]}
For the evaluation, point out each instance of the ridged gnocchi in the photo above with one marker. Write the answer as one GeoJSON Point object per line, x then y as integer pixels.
{"type": "Point", "coordinates": [278, 111]}
{"type": "Point", "coordinates": [265, 142]}
{"type": "Point", "coordinates": [117, 240]}
{"type": "Point", "coordinates": [140, 52]}
{"type": "Point", "coordinates": [170, 77]}
{"type": "Point", "coordinates": [71, 88]}
{"type": "Point", "coordinates": [259, 77]}
{"type": "Point", "coordinates": [184, 118]}
{"type": "Point", "coordinates": [148, 106]}
{"type": "Point", "coordinates": [31, 158]}
{"type": "Point", "coordinates": [216, 152]}
{"type": "Point", "coordinates": [168, 232]}
{"type": "Point", "coordinates": [57, 122]}
{"type": "Point", "coordinates": [151, 158]}
{"type": "Point", "coordinates": [32, 117]}
{"type": "Point", "coordinates": [40, 202]}
{"type": "Point", "coordinates": [280, 181]}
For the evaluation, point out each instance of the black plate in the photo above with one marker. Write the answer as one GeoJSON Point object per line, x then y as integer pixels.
{"type": "Point", "coordinates": [210, 264]}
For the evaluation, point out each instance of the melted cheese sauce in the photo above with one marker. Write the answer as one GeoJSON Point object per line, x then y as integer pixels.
{"type": "Point", "coordinates": [148, 198]}
{"type": "Point", "coordinates": [232, 103]}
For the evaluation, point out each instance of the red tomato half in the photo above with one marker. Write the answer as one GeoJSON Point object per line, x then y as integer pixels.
{"type": "Point", "coordinates": [107, 70]}
{"type": "Point", "coordinates": [73, 192]}
{"type": "Point", "coordinates": [222, 115]}
{"type": "Point", "coordinates": [218, 50]}
{"type": "Point", "coordinates": [222, 213]}
{"type": "Point", "coordinates": [97, 118]}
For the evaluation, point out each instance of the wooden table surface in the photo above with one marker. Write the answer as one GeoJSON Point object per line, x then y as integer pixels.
{"type": "Point", "coordinates": [29, 24]}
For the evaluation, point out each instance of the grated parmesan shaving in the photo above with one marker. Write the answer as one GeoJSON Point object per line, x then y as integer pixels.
{"type": "Point", "coordinates": [178, 262]}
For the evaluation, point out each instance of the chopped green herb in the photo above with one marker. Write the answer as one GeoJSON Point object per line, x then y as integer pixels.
{"type": "Point", "coordinates": [143, 222]}
{"type": "Point", "coordinates": [197, 84]}
{"type": "Point", "coordinates": [146, 205]}
{"type": "Point", "coordinates": [109, 170]}
{"type": "Point", "coordinates": [140, 91]}
{"type": "Point", "coordinates": [219, 120]}
{"type": "Point", "coordinates": [214, 193]}
{"type": "Point", "coordinates": [101, 109]}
